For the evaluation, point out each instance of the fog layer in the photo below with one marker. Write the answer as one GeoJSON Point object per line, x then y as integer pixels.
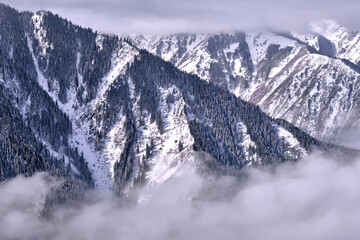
{"type": "Point", "coordinates": [316, 198]}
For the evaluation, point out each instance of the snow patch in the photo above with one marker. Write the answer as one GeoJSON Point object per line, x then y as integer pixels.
{"type": "Point", "coordinates": [259, 42]}
{"type": "Point", "coordinates": [41, 33]}
{"type": "Point", "coordinates": [291, 141]}
{"type": "Point", "coordinates": [124, 55]}
{"type": "Point", "coordinates": [99, 42]}
{"type": "Point", "coordinates": [167, 159]}
{"type": "Point", "coordinates": [246, 143]}
{"type": "Point", "coordinates": [99, 168]}
{"type": "Point", "coordinates": [43, 82]}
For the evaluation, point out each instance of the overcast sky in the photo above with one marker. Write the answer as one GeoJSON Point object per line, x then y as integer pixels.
{"type": "Point", "coordinates": [163, 16]}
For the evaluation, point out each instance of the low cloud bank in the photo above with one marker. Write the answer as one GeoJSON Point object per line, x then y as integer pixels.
{"type": "Point", "coordinates": [168, 16]}
{"type": "Point", "coordinates": [316, 198]}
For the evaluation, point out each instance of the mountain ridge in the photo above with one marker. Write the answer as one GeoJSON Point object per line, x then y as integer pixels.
{"type": "Point", "coordinates": [245, 63]}
{"type": "Point", "coordinates": [133, 117]}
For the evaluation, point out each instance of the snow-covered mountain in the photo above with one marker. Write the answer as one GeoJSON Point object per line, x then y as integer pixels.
{"type": "Point", "coordinates": [308, 79]}
{"type": "Point", "coordinates": [346, 43]}
{"type": "Point", "coordinates": [120, 117]}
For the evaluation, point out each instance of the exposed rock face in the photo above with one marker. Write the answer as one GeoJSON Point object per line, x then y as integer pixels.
{"type": "Point", "coordinates": [309, 80]}
{"type": "Point", "coordinates": [98, 108]}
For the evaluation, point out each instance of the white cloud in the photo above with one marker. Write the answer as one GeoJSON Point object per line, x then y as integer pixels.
{"type": "Point", "coordinates": [316, 198]}
{"type": "Point", "coordinates": [159, 16]}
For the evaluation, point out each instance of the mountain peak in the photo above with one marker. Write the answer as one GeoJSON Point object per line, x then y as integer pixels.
{"type": "Point", "coordinates": [134, 116]}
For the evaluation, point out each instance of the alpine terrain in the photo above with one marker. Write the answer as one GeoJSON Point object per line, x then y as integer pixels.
{"type": "Point", "coordinates": [105, 111]}
{"type": "Point", "coordinates": [311, 80]}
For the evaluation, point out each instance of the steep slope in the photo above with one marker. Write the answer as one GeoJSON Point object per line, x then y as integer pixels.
{"type": "Point", "coordinates": [130, 118]}
{"type": "Point", "coordinates": [230, 60]}
{"type": "Point", "coordinates": [321, 99]}
{"type": "Point", "coordinates": [21, 152]}
{"type": "Point", "coordinates": [45, 125]}
{"type": "Point", "coordinates": [307, 80]}
{"type": "Point", "coordinates": [174, 115]}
